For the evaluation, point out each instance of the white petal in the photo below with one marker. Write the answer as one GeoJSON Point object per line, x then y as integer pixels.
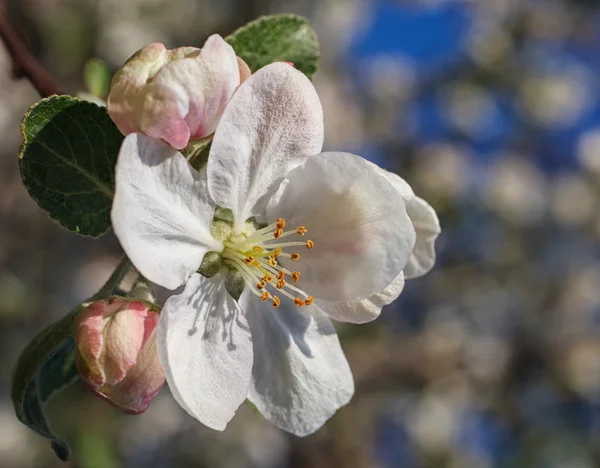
{"type": "Point", "coordinates": [300, 375]}
{"type": "Point", "coordinates": [272, 123]}
{"type": "Point", "coordinates": [161, 211]}
{"type": "Point", "coordinates": [425, 222]}
{"type": "Point", "coordinates": [365, 310]}
{"type": "Point", "coordinates": [358, 222]}
{"type": "Point", "coordinates": [205, 348]}
{"type": "Point", "coordinates": [427, 227]}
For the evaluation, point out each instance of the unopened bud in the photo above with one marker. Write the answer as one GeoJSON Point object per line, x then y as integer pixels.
{"type": "Point", "coordinates": [175, 95]}
{"type": "Point", "coordinates": [115, 352]}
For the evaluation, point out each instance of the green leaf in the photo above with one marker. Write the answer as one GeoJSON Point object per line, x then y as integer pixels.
{"type": "Point", "coordinates": [67, 161]}
{"type": "Point", "coordinates": [278, 38]}
{"type": "Point", "coordinates": [45, 367]}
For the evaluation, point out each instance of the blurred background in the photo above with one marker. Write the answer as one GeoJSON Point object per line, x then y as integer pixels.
{"type": "Point", "coordinates": [491, 110]}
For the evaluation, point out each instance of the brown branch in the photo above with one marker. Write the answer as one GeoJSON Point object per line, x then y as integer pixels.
{"type": "Point", "coordinates": [25, 65]}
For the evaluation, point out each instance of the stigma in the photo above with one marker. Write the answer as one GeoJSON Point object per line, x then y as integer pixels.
{"type": "Point", "coordinates": [256, 257]}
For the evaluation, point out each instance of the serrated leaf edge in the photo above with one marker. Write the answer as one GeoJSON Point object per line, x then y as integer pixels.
{"type": "Point", "coordinates": [55, 97]}
{"type": "Point", "coordinates": [291, 16]}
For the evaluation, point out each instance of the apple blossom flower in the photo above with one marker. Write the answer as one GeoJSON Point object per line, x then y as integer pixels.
{"type": "Point", "coordinates": [115, 352]}
{"type": "Point", "coordinates": [310, 236]}
{"type": "Point", "coordinates": [175, 95]}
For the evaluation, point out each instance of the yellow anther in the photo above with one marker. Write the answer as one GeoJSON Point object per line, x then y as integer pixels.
{"type": "Point", "coordinates": [249, 259]}
{"type": "Point", "coordinates": [280, 284]}
{"type": "Point", "coordinates": [295, 276]}
{"type": "Point", "coordinates": [273, 261]}
{"type": "Point", "coordinates": [309, 244]}
{"type": "Point", "coordinates": [280, 223]}
{"type": "Point", "coordinates": [298, 302]}
{"type": "Point", "coordinates": [280, 275]}
{"type": "Point", "coordinates": [276, 302]}
{"type": "Point", "coordinates": [277, 252]}
{"type": "Point", "coordinates": [265, 296]}
{"type": "Point", "coordinates": [260, 285]}
{"type": "Point", "coordinates": [277, 233]}
{"type": "Point", "coordinates": [309, 300]}
{"type": "Point", "coordinates": [255, 264]}
{"type": "Point", "coordinates": [258, 249]}
{"type": "Point", "coordinates": [301, 230]}
{"type": "Point", "coordinates": [268, 278]}
{"type": "Point", "coordinates": [295, 256]}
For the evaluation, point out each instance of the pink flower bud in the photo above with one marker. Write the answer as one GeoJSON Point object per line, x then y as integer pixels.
{"type": "Point", "coordinates": [175, 95]}
{"type": "Point", "coordinates": [115, 352]}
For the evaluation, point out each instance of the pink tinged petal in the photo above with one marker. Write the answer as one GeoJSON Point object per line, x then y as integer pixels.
{"type": "Point", "coordinates": [425, 222]}
{"type": "Point", "coordinates": [127, 356]}
{"type": "Point", "coordinates": [127, 81]}
{"type": "Point", "coordinates": [300, 376]}
{"type": "Point", "coordinates": [273, 122]}
{"type": "Point", "coordinates": [245, 71]}
{"type": "Point", "coordinates": [175, 95]}
{"type": "Point", "coordinates": [187, 97]}
{"type": "Point", "coordinates": [363, 237]}
{"type": "Point", "coordinates": [205, 347]}
{"type": "Point", "coordinates": [221, 76]}
{"type": "Point", "coordinates": [161, 115]}
{"type": "Point", "coordinates": [365, 310]}
{"type": "Point", "coordinates": [162, 211]}
{"type": "Point", "coordinates": [124, 335]}
{"type": "Point", "coordinates": [88, 328]}
{"type": "Point", "coordinates": [140, 386]}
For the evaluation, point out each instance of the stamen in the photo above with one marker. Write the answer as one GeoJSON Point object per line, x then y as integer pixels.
{"type": "Point", "coordinates": [285, 244]}
{"type": "Point", "coordinates": [262, 238]}
{"type": "Point", "coordinates": [266, 269]}
{"type": "Point", "coordinates": [248, 278]}
{"type": "Point", "coordinates": [256, 258]}
{"type": "Point", "coordinates": [298, 290]}
{"type": "Point", "coordinates": [260, 232]}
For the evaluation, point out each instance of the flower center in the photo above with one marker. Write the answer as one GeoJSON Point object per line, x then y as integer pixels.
{"type": "Point", "coordinates": [256, 258]}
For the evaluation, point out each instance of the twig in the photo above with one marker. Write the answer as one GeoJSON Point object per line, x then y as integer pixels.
{"type": "Point", "coordinates": [25, 65]}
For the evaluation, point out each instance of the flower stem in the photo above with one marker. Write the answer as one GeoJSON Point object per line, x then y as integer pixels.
{"type": "Point", "coordinates": [114, 280]}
